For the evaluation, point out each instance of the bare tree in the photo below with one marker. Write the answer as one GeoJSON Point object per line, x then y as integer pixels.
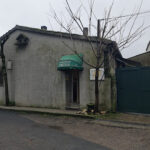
{"type": "Point", "coordinates": [120, 29]}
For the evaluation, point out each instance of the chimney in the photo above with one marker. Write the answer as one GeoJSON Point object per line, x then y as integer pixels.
{"type": "Point", "coordinates": [43, 27]}
{"type": "Point", "coordinates": [85, 31]}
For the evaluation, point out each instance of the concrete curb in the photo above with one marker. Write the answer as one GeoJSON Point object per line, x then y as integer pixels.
{"type": "Point", "coordinates": [46, 112]}
{"type": "Point", "coordinates": [109, 123]}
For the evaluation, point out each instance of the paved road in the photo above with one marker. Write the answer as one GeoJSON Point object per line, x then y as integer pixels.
{"type": "Point", "coordinates": [19, 133]}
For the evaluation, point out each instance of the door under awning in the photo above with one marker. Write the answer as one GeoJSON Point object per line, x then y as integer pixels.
{"type": "Point", "coordinates": [71, 62]}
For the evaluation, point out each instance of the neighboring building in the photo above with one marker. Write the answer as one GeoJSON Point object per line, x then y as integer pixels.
{"type": "Point", "coordinates": [43, 70]}
{"type": "Point", "coordinates": [143, 59]}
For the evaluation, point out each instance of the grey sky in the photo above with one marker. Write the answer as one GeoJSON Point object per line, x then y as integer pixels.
{"type": "Point", "coordinates": [34, 13]}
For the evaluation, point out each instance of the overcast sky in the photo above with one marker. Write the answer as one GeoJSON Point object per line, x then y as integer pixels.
{"type": "Point", "coordinates": [34, 13]}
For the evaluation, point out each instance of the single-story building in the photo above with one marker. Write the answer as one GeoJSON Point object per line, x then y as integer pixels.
{"type": "Point", "coordinates": [50, 69]}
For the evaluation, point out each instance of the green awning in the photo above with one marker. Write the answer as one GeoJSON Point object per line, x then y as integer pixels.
{"type": "Point", "coordinates": [71, 62]}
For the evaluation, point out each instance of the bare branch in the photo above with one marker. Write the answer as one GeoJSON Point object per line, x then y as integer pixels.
{"type": "Point", "coordinates": [106, 20]}
{"type": "Point", "coordinates": [90, 16]}
{"type": "Point", "coordinates": [73, 16]}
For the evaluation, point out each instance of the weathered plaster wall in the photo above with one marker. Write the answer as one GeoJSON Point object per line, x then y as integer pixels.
{"type": "Point", "coordinates": [34, 79]}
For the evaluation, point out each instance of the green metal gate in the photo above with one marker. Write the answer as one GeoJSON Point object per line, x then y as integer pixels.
{"type": "Point", "coordinates": [133, 89]}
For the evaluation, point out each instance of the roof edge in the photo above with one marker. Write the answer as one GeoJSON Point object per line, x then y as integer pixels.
{"type": "Point", "coordinates": [60, 34]}
{"type": "Point", "coordinates": [53, 33]}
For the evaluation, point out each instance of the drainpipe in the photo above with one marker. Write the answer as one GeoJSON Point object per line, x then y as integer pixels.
{"type": "Point", "coordinates": [2, 42]}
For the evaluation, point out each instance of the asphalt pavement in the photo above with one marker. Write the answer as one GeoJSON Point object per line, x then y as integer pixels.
{"type": "Point", "coordinates": [19, 133]}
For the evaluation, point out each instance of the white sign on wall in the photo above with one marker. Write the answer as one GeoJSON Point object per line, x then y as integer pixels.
{"type": "Point", "coordinates": [9, 65]}
{"type": "Point", "coordinates": [100, 74]}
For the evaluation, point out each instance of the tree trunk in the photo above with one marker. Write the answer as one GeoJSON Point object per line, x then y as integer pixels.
{"type": "Point", "coordinates": [97, 69]}
{"type": "Point", "coordinates": [96, 91]}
